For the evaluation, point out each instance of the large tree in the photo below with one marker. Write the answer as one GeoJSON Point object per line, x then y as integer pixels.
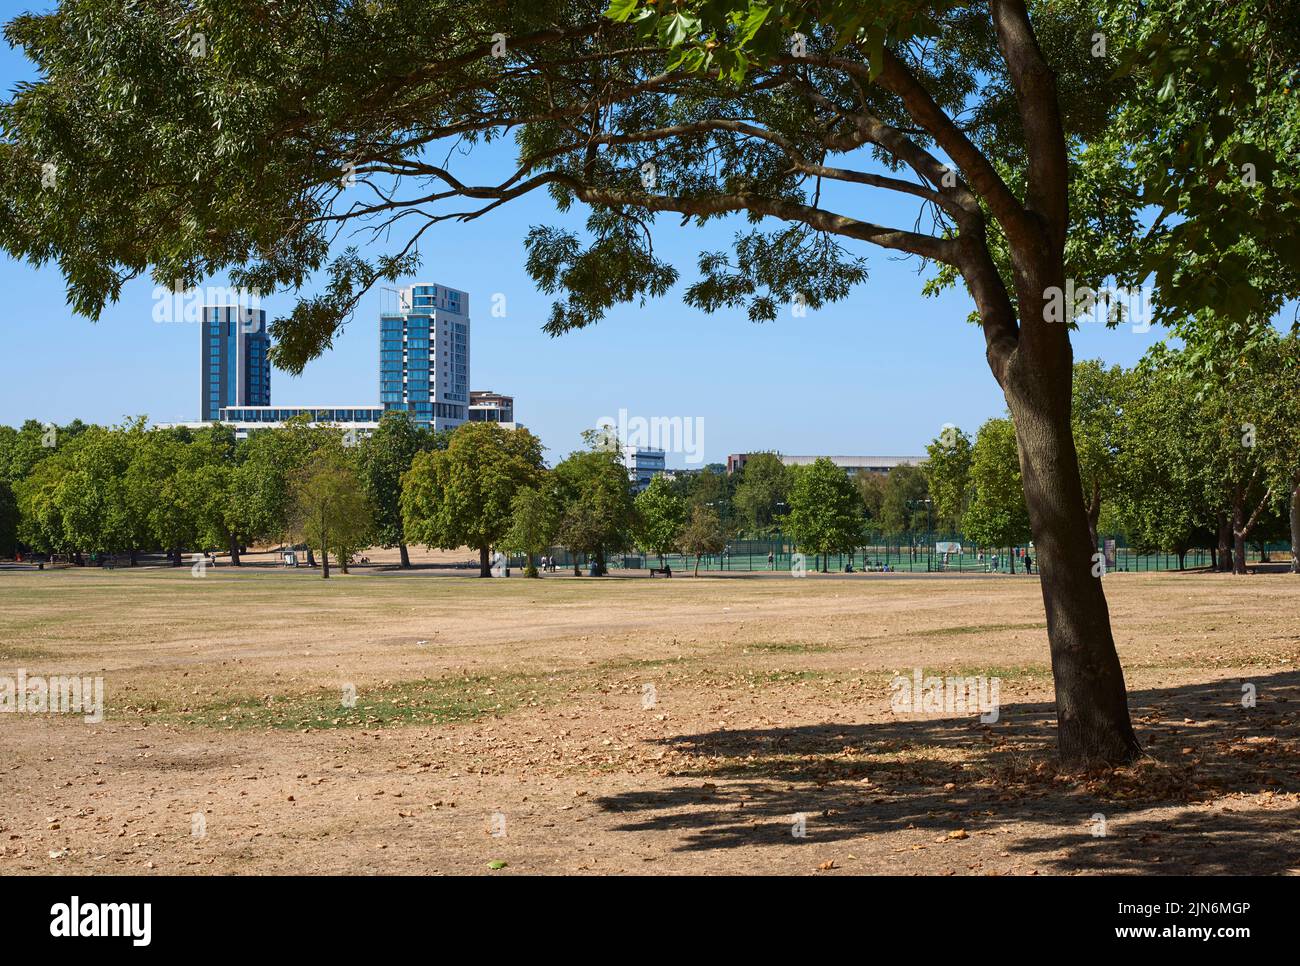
{"type": "Point", "coordinates": [597, 512]}
{"type": "Point", "coordinates": [1100, 394]}
{"type": "Point", "coordinates": [762, 491]}
{"type": "Point", "coordinates": [462, 496]}
{"type": "Point", "coordinates": [660, 516]}
{"type": "Point", "coordinates": [330, 509]}
{"type": "Point", "coordinates": [904, 502]}
{"type": "Point", "coordinates": [384, 456]}
{"type": "Point", "coordinates": [825, 510]}
{"type": "Point", "coordinates": [171, 136]}
{"type": "Point", "coordinates": [704, 534]}
{"type": "Point", "coordinates": [947, 476]}
{"type": "Point", "coordinates": [1162, 470]}
{"type": "Point", "coordinates": [533, 522]}
{"type": "Point", "coordinates": [997, 515]}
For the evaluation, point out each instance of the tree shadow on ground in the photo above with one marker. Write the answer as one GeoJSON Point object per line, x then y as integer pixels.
{"type": "Point", "coordinates": [1215, 794]}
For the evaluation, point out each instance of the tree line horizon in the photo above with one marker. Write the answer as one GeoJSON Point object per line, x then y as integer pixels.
{"type": "Point", "coordinates": [1169, 462]}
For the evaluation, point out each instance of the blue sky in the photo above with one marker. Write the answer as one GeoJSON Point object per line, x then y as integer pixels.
{"type": "Point", "coordinates": [879, 373]}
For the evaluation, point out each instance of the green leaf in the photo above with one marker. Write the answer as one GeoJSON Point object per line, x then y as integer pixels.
{"type": "Point", "coordinates": [621, 10]}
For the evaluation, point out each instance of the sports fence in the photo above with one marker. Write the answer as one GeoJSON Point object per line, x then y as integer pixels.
{"type": "Point", "coordinates": [906, 552]}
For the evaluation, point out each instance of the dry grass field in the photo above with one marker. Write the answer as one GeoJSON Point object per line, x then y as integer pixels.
{"type": "Point", "coordinates": [629, 725]}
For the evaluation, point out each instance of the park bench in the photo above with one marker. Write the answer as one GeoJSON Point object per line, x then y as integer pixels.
{"type": "Point", "coordinates": [661, 571]}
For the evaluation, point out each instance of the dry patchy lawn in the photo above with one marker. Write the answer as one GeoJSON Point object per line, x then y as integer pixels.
{"type": "Point", "coordinates": [527, 699]}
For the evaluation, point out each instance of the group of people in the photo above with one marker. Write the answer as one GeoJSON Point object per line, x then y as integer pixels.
{"type": "Point", "coordinates": [996, 560]}
{"type": "Point", "coordinates": [546, 564]}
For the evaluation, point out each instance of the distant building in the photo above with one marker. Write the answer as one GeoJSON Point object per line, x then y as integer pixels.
{"type": "Point", "coordinates": [486, 406]}
{"type": "Point", "coordinates": [235, 369]}
{"type": "Point", "coordinates": [643, 465]}
{"type": "Point", "coordinates": [853, 465]}
{"type": "Point", "coordinates": [358, 420]}
{"type": "Point", "coordinates": [424, 355]}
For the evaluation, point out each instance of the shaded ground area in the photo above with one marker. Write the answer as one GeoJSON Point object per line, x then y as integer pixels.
{"type": "Point", "coordinates": [565, 725]}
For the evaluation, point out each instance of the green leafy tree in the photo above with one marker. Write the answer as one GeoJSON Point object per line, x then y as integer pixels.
{"type": "Point", "coordinates": [462, 496]}
{"type": "Point", "coordinates": [1100, 394]}
{"type": "Point", "coordinates": [904, 502]}
{"type": "Point", "coordinates": [712, 487]}
{"type": "Point", "coordinates": [1162, 471]}
{"type": "Point", "coordinates": [533, 524]}
{"type": "Point", "coordinates": [947, 476]}
{"type": "Point", "coordinates": [40, 517]}
{"type": "Point", "coordinates": [210, 493]}
{"type": "Point", "coordinates": [660, 516]}
{"type": "Point", "coordinates": [761, 494]}
{"type": "Point", "coordinates": [825, 510]}
{"type": "Point", "coordinates": [330, 509]}
{"type": "Point", "coordinates": [8, 520]}
{"type": "Point", "coordinates": [871, 489]}
{"type": "Point", "coordinates": [997, 515]}
{"type": "Point", "coordinates": [704, 534]}
{"type": "Point", "coordinates": [384, 456]}
{"type": "Point", "coordinates": [155, 481]}
{"type": "Point", "coordinates": [266, 465]}
{"type": "Point", "coordinates": [98, 513]}
{"type": "Point", "coordinates": [597, 511]}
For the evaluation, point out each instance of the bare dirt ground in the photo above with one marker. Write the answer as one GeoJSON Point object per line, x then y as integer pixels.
{"type": "Point", "coordinates": [630, 725]}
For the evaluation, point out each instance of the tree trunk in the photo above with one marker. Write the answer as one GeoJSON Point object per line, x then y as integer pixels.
{"type": "Point", "coordinates": [530, 568]}
{"type": "Point", "coordinates": [311, 558]}
{"type": "Point", "coordinates": [1035, 374]}
{"type": "Point", "coordinates": [343, 563]}
{"type": "Point", "coordinates": [406, 556]}
{"type": "Point", "coordinates": [1295, 529]}
{"type": "Point", "coordinates": [1091, 701]}
{"type": "Point", "coordinates": [697, 565]}
{"type": "Point", "coordinates": [1224, 560]}
{"type": "Point", "coordinates": [577, 571]}
{"type": "Point", "coordinates": [325, 561]}
{"type": "Point", "coordinates": [233, 544]}
{"type": "Point", "coordinates": [484, 563]}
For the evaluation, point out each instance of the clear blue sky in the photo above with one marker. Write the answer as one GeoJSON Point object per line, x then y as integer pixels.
{"type": "Point", "coordinates": [879, 373]}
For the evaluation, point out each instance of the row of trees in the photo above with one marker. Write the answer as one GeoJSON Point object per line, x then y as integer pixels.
{"type": "Point", "coordinates": [490, 489]}
{"type": "Point", "coordinates": [91, 490]}
{"type": "Point", "coordinates": [761, 497]}
{"type": "Point", "coordinates": [1196, 446]}
{"type": "Point", "coordinates": [82, 490]}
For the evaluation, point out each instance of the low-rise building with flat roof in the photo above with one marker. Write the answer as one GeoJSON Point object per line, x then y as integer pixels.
{"type": "Point", "coordinates": [852, 465]}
